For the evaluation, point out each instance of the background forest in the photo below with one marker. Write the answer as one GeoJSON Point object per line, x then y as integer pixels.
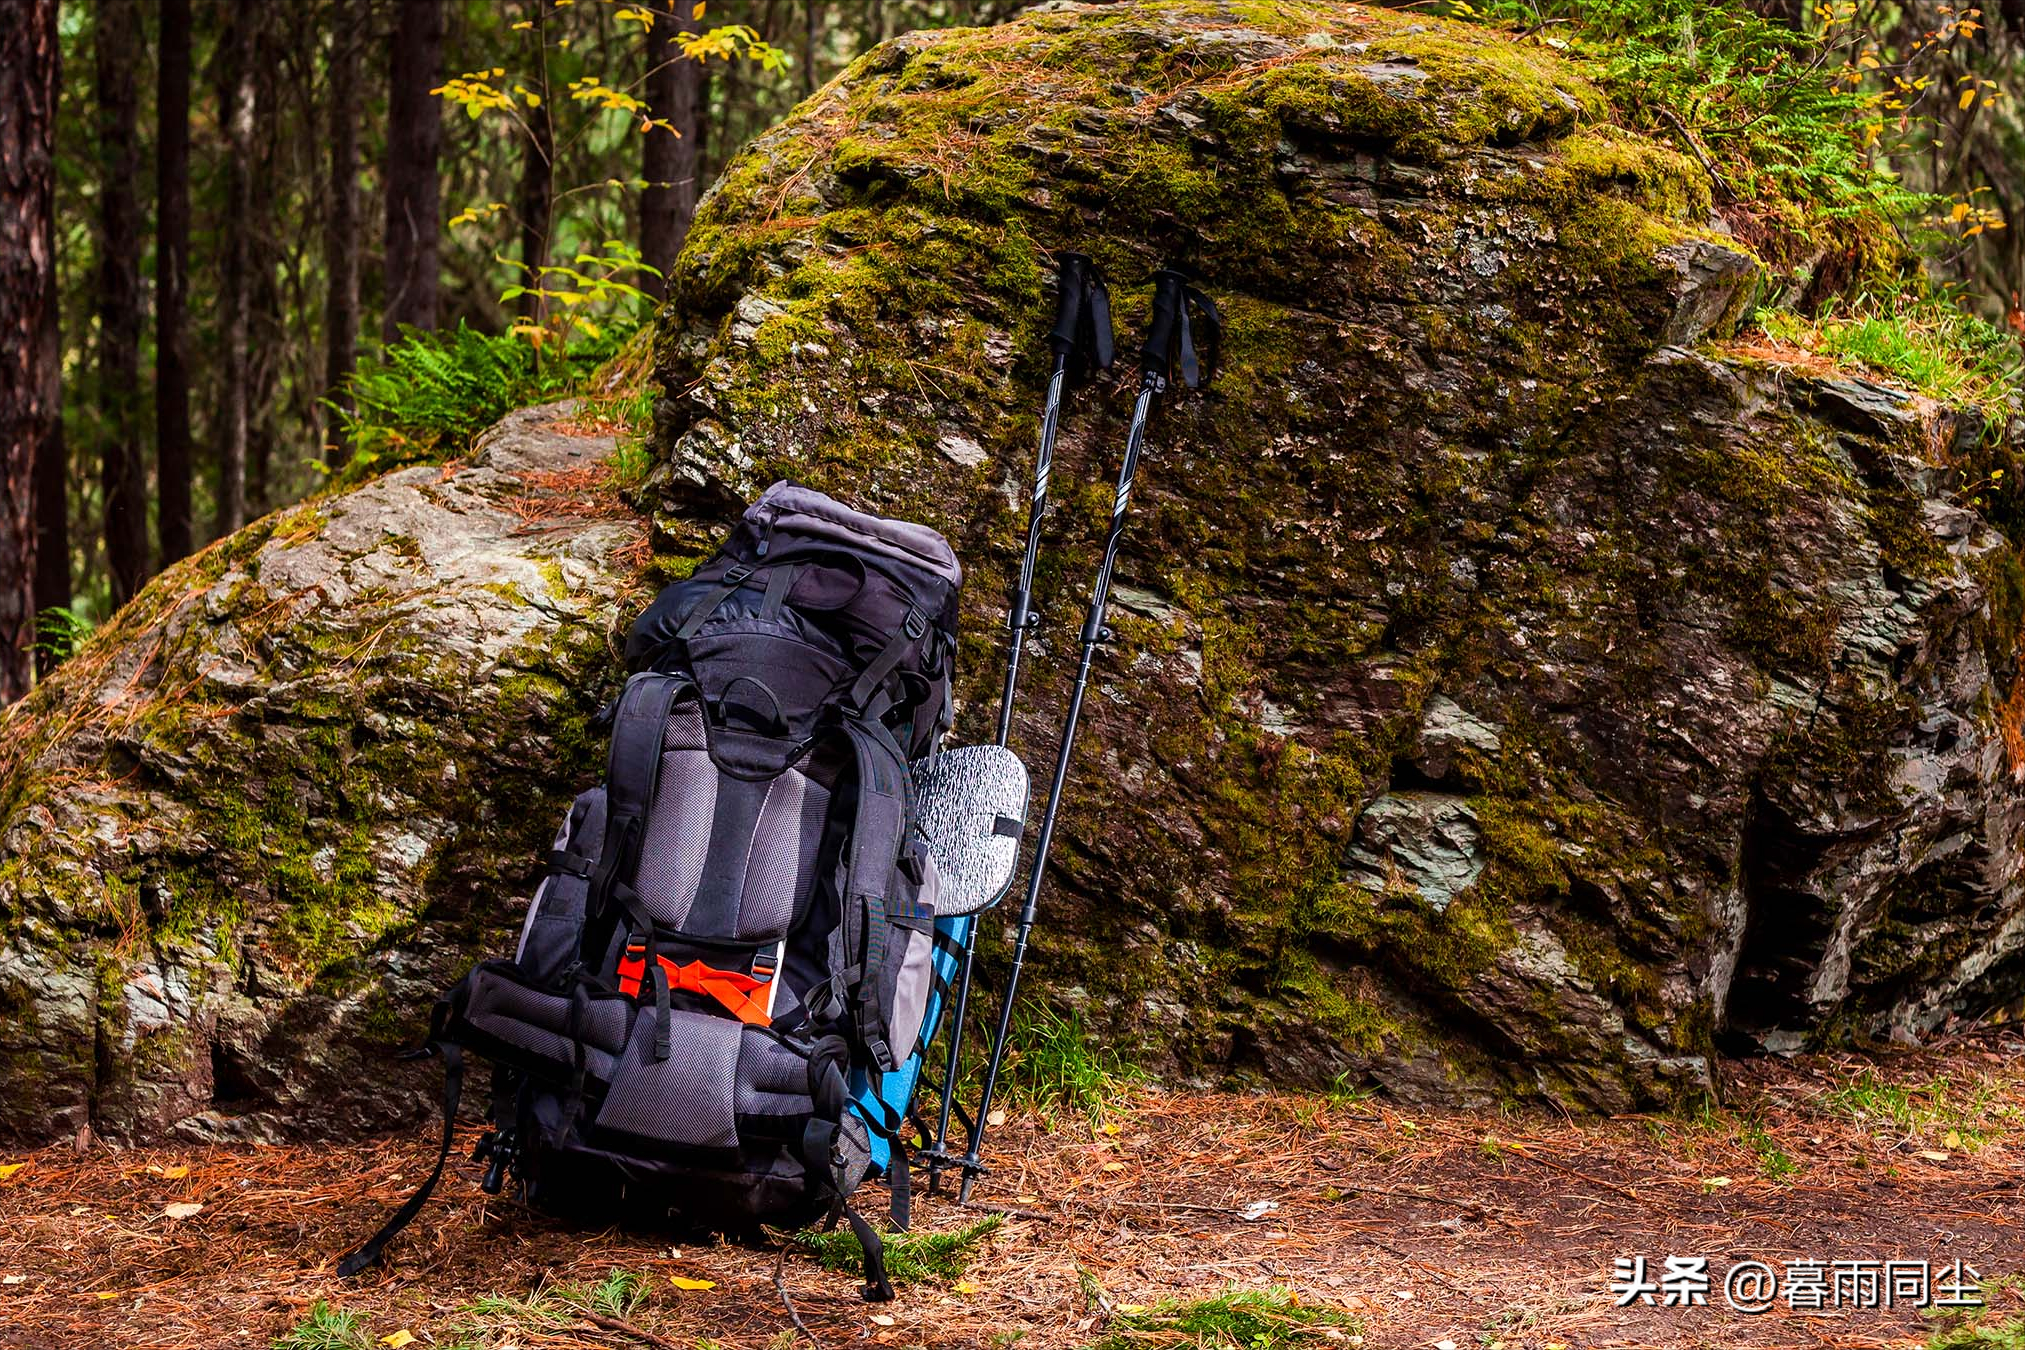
{"type": "Point", "coordinates": [297, 240]}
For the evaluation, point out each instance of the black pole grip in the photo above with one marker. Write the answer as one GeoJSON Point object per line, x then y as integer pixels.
{"type": "Point", "coordinates": [1072, 287]}
{"type": "Point", "coordinates": [1170, 301]}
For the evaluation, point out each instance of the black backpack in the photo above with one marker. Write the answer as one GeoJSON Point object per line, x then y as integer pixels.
{"type": "Point", "coordinates": [740, 921]}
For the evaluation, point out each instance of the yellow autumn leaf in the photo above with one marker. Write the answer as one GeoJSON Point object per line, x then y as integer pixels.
{"type": "Point", "coordinates": [9, 1169]}
{"type": "Point", "coordinates": [176, 1173]}
{"type": "Point", "coordinates": [1114, 1167]}
{"type": "Point", "coordinates": [1954, 1139]}
{"type": "Point", "coordinates": [684, 1282]}
{"type": "Point", "coordinates": [1714, 1183]}
{"type": "Point", "coordinates": [1109, 1128]}
{"type": "Point", "coordinates": [964, 1287]}
{"type": "Point", "coordinates": [398, 1339]}
{"type": "Point", "coordinates": [1968, 97]}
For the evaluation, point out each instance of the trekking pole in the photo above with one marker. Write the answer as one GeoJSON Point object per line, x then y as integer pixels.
{"type": "Point", "coordinates": [1169, 352]}
{"type": "Point", "coordinates": [1083, 344]}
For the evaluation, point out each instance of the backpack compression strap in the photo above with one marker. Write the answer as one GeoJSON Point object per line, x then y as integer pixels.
{"type": "Point", "coordinates": [823, 1160]}
{"type": "Point", "coordinates": [877, 836]}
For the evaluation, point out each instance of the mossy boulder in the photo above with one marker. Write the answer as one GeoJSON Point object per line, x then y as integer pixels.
{"type": "Point", "coordinates": [251, 829]}
{"type": "Point", "coordinates": [1515, 691]}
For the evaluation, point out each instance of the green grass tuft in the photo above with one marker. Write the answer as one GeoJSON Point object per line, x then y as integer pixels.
{"type": "Point", "coordinates": [1930, 344]}
{"type": "Point", "coordinates": [1052, 1065]}
{"type": "Point", "coordinates": [910, 1257]}
{"type": "Point", "coordinates": [325, 1328]}
{"type": "Point", "coordinates": [1264, 1319]}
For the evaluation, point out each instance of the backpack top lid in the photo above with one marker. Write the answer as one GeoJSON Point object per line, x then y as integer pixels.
{"type": "Point", "coordinates": [788, 508]}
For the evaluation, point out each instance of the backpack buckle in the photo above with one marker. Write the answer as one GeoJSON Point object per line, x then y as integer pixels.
{"type": "Point", "coordinates": [915, 624]}
{"type": "Point", "coordinates": [737, 573]}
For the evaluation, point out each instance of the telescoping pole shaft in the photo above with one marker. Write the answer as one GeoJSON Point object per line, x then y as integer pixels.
{"type": "Point", "coordinates": [1018, 620]}
{"type": "Point", "coordinates": [1082, 341]}
{"type": "Point", "coordinates": [1094, 634]}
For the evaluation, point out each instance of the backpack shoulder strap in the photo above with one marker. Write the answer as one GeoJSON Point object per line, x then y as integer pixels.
{"type": "Point", "coordinates": [632, 772]}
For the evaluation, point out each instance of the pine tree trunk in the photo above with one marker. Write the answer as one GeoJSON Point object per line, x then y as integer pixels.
{"type": "Point", "coordinates": [28, 56]}
{"type": "Point", "coordinates": [235, 105]}
{"type": "Point", "coordinates": [172, 268]}
{"type": "Point", "coordinates": [812, 17]}
{"type": "Point", "coordinates": [534, 198]}
{"type": "Point", "coordinates": [671, 161]}
{"type": "Point", "coordinates": [117, 51]}
{"type": "Point", "coordinates": [414, 133]}
{"type": "Point", "coordinates": [52, 477]}
{"type": "Point", "coordinates": [341, 228]}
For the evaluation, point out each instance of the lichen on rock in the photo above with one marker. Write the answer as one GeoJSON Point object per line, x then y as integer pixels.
{"type": "Point", "coordinates": [1518, 690]}
{"type": "Point", "coordinates": [254, 826]}
{"type": "Point", "coordinates": [1518, 693]}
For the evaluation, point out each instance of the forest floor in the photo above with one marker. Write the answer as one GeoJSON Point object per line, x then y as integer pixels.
{"type": "Point", "coordinates": [1361, 1224]}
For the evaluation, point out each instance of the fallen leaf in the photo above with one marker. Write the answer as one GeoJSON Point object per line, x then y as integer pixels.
{"type": "Point", "coordinates": [1109, 1128]}
{"type": "Point", "coordinates": [176, 1173]}
{"type": "Point", "coordinates": [1403, 1295]}
{"type": "Point", "coordinates": [1714, 1183]}
{"type": "Point", "coordinates": [182, 1209]}
{"type": "Point", "coordinates": [684, 1282]}
{"type": "Point", "coordinates": [1258, 1209]}
{"type": "Point", "coordinates": [110, 1293]}
{"type": "Point", "coordinates": [964, 1287]}
{"type": "Point", "coordinates": [398, 1339]}
{"type": "Point", "coordinates": [1028, 1199]}
{"type": "Point", "coordinates": [1444, 1345]}
{"type": "Point", "coordinates": [15, 1279]}
{"type": "Point", "coordinates": [995, 1119]}
{"type": "Point", "coordinates": [1954, 1139]}
{"type": "Point", "coordinates": [1933, 1155]}
{"type": "Point", "coordinates": [1132, 1307]}
{"type": "Point", "coordinates": [9, 1169]}
{"type": "Point", "coordinates": [881, 1320]}
{"type": "Point", "coordinates": [1114, 1167]}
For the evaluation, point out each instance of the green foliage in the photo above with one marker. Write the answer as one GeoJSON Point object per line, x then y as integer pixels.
{"type": "Point", "coordinates": [1264, 1319]}
{"type": "Point", "coordinates": [1785, 121]}
{"type": "Point", "coordinates": [1930, 343]}
{"type": "Point", "coordinates": [1052, 1066]}
{"type": "Point", "coordinates": [910, 1257]}
{"type": "Point", "coordinates": [1940, 1111]}
{"type": "Point", "coordinates": [325, 1328]}
{"type": "Point", "coordinates": [429, 394]}
{"type": "Point", "coordinates": [59, 631]}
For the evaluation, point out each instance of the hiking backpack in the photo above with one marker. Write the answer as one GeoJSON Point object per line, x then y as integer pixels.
{"type": "Point", "coordinates": [725, 983]}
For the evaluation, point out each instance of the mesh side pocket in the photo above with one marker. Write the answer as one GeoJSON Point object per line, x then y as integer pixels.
{"type": "Point", "coordinates": [553, 932]}
{"type": "Point", "coordinates": [914, 970]}
{"type": "Point", "coordinates": [686, 1101]}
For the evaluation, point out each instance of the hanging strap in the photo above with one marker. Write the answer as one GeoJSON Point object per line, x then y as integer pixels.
{"type": "Point", "coordinates": [1172, 348]}
{"type": "Point", "coordinates": [453, 1088]}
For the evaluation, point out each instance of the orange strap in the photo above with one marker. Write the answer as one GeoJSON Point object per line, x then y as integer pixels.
{"type": "Point", "coordinates": [733, 990]}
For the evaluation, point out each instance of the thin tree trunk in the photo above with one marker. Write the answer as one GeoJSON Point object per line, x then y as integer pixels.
{"type": "Point", "coordinates": [812, 16]}
{"type": "Point", "coordinates": [671, 158]}
{"type": "Point", "coordinates": [28, 57]}
{"type": "Point", "coordinates": [172, 267]}
{"type": "Point", "coordinates": [535, 197]}
{"type": "Point", "coordinates": [414, 135]}
{"type": "Point", "coordinates": [341, 231]}
{"type": "Point", "coordinates": [52, 478]}
{"type": "Point", "coordinates": [117, 51]}
{"type": "Point", "coordinates": [235, 104]}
